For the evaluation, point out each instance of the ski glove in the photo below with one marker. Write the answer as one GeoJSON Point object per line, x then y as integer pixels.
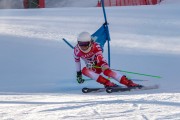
{"type": "Point", "coordinates": [79, 77]}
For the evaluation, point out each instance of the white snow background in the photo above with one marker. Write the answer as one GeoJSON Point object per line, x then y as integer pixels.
{"type": "Point", "coordinates": [37, 70]}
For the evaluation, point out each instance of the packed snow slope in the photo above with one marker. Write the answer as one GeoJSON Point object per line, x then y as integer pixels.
{"type": "Point", "coordinates": [37, 70]}
{"type": "Point", "coordinates": [71, 3]}
{"type": "Point", "coordinates": [168, 2]}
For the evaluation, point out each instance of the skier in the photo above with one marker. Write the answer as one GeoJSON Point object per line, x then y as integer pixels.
{"type": "Point", "coordinates": [91, 52]}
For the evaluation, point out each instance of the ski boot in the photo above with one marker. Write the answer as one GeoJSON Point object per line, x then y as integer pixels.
{"type": "Point", "coordinates": [129, 83]}
{"type": "Point", "coordinates": [105, 82]}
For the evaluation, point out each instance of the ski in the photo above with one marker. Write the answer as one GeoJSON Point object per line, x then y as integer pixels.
{"type": "Point", "coordinates": [88, 90]}
{"type": "Point", "coordinates": [119, 89]}
{"type": "Point", "coordinates": [124, 89]}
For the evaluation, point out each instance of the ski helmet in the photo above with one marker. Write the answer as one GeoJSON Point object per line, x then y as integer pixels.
{"type": "Point", "coordinates": [84, 39]}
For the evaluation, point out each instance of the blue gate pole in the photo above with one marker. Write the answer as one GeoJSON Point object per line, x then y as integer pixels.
{"type": "Point", "coordinates": [107, 31]}
{"type": "Point", "coordinates": [67, 43]}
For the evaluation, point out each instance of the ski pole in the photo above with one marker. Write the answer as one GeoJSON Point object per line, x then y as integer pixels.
{"type": "Point", "coordinates": [111, 78]}
{"type": "Point", "coordinates": [138, 73]}
{"type": "Point", "coordinates": [132, 72]}
{"type": "Point", "coordinates": [88, 79]}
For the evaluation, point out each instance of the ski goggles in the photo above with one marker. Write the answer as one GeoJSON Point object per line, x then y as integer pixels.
{"type": "Point", "coordinates": [84, 43]}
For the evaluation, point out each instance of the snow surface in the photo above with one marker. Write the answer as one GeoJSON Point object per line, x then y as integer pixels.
{"type": "Point", "coordinates": [167, 2]}
{"type": "Point", "coordinates": [37, 70]}
{"type": "Point", "coordinates": [8, 4]}
{"type": "Point", "coordinates": [18, 4]}
{"type": "Point", "coordinates": [71, 3]}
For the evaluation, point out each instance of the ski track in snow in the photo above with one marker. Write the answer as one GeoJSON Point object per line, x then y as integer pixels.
{"type": "Point", "coordinates": [99, 106]}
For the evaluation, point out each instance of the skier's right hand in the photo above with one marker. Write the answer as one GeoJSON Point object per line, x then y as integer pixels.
{"type": "Point", "coordinates": [79, 77]}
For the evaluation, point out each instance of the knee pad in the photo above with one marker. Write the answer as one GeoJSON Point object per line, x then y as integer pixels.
{"type": "Point", "coordinates": [84, 70]}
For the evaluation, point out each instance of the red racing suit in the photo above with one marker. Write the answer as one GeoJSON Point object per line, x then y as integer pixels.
{"type": "Point", "coordinates": [94, 56]}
